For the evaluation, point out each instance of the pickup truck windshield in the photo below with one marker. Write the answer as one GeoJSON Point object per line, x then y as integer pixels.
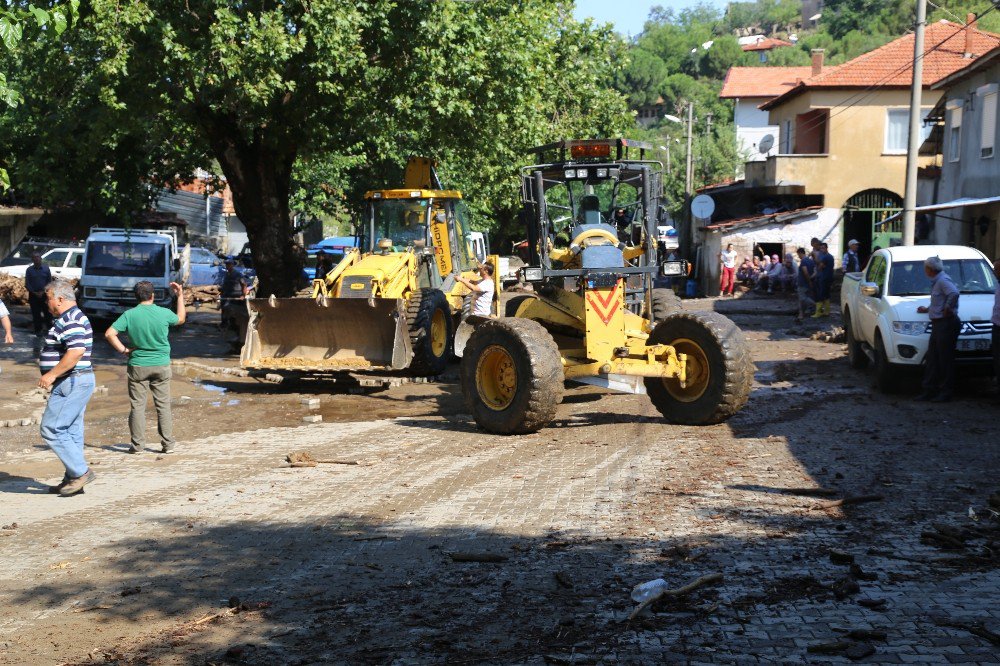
{"type": "Point", "coordinates": [972, 276]}
{"type": "Point", "coordinates": [126, 259]}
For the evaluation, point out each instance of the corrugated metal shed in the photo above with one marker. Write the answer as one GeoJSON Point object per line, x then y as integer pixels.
{"type": "Point", "coordinates": [203, 215]}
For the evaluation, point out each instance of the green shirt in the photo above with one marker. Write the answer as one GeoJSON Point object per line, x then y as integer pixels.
{"type": "Point", "coordinates": [147, 327]}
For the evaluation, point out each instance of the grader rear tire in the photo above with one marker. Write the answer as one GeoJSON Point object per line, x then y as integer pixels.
{"type": "Point", "coordinates": [512, 376]}
{"type": "Point", "coordinates": [719, 369]}
{"type": "Point", "coordinates": [431, 329]}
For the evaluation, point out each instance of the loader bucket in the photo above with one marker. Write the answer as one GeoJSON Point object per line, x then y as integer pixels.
{"type": "Point", "coordinates": [344, 334]}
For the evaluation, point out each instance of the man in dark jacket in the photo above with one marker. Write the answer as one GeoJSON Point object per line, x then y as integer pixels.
{"type": "Point", "coordinates": [36, 278]}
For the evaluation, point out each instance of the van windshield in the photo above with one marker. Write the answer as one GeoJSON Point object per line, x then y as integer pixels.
{"type": "Point", "coordinates": [971, 276]}
{"type": "Point", "coordinates": [121, 258]}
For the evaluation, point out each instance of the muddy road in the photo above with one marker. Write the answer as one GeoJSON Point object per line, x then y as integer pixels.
{"type": "Point", "coordinates": [224, 554]}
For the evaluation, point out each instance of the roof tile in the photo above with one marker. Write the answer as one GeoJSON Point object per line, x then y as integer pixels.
{"type": "Point", "coordinates": [761, 82]}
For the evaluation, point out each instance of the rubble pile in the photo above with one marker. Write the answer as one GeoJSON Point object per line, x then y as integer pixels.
{"type": "Point", "coordinates": [835, 335]}
{"type": "Point", "coordinates": [12, 291]}
{"type": "Point", "coordinates": [202, 294]}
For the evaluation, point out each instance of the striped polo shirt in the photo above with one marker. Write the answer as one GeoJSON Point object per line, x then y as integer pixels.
{"type": "Point", "coordinates": [69, 331]}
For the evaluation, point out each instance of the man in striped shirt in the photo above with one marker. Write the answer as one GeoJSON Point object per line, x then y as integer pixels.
{"type": "Point", "coordinates": [66, 370]}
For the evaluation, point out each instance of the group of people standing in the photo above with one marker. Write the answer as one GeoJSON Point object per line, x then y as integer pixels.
{"type": "Point", "coordinates": [809, 273]}
{"type": "Point", "coordinates": [67, 370]}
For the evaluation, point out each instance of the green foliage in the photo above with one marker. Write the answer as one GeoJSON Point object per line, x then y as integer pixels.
{"type": "Point", "coordinates": [304, 104]}
{"type": "Point", "coordinates": [642, 79]}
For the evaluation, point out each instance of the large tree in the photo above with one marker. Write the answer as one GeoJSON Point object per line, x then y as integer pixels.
{"type": "Point", "coordinates": [314, 100]}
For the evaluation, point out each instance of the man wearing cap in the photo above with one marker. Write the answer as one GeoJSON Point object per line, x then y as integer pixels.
{"type": "Point", "coordinates": [939, 366]}
{"type": "Point", "coordinates": [232, 297]}
{"type": "Point", "coordinates": [852, 262]}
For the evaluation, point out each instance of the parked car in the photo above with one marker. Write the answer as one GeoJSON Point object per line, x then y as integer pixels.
{"type": "Point", "coordinates": [206, 268]}
{"type": "Point", "coordinates": [335, 248]}
{"type": "Point", "coordinates": [63, 262]}
{"type": "Point", "coordinates": [21, 255]}
{"type": "Point", "coordinates": [879, 307]}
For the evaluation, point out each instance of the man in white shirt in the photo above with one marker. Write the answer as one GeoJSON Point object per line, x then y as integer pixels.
{"type": "Point", "coordinates": [8, 338]}
{"type": "Point", "coordinates": [482, 290]}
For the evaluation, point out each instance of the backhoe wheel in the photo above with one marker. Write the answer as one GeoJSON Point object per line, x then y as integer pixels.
{"type": "Point", "coordinates": [719, 370]}
{"type": "Point", "coordinates": [431, 327]}
{"type": "Point", "coordinates": [512, 376]}
{"type": "Point", "coordinates": [665, 303]}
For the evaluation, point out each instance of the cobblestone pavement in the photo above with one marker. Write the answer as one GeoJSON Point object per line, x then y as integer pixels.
{"type": "Point", "coordinates": [355, 562]}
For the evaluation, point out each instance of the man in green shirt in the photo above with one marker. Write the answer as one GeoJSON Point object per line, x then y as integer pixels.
{"type": "Point", "coordinates": [147, 326]}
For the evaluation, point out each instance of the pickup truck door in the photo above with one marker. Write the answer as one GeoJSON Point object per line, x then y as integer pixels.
{"type": "Point", "coordinates": [870, 306]}
{"type": "Point", "coordinates": [57, 262]}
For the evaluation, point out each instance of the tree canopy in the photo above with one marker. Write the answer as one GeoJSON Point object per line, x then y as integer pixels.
{"type": "Point", "coordinates": [305, 103]}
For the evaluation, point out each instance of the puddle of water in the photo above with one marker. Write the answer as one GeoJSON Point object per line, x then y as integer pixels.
{"type": "Point", "coordinates": [213, 388]}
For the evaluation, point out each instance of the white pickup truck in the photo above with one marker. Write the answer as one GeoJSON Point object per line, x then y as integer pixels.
{"type": "Point", "coordinates": [879, 306]}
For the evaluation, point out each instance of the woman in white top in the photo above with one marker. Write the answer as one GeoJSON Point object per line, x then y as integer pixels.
{"type": "Point", "coordinates": [482, 289]}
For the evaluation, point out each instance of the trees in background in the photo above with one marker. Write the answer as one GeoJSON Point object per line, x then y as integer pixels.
{"type": "Point", "coordinates": [304, 104]}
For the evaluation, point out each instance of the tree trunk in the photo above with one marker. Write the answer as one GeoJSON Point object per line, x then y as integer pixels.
{"type": "Point", "coordinates": [259, 173]}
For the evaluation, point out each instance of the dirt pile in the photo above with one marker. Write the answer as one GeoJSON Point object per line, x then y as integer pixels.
{"type": "Point", "coordinates": [12, 291]}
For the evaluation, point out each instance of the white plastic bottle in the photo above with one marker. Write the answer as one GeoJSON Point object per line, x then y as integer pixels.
{"type": "Point", "coordinates": [645, 591]}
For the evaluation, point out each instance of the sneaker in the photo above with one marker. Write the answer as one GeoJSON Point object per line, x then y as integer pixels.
{"type": "Point", "coordinates": [132, 448]}
{"type": "Point", "coordinates": [73, 486]}
{"type": "Point", "coordinates": [54, 490]}
{"type": "Point", "coordinates": [168, 448]}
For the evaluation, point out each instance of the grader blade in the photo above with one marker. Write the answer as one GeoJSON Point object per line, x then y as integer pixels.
{"type": "Point", "coordinates": [345, 334]}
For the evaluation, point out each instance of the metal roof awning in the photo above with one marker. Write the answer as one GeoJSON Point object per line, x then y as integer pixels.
{"type": "Point", "coordinates": [956, 203]}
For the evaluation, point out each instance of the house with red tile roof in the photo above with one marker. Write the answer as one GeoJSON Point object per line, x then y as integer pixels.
{"type": "Point", "coordinates": [749, 87]}
{"type": "Point", "coordinates": [843, 130]}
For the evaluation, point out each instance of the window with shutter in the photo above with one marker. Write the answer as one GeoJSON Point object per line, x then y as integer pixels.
{"type": "Point", "coordinates": [954, 133]}
{"type": "Point", "coordinates": [989, 129]}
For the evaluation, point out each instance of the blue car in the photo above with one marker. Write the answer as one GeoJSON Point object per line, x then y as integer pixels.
{"type": "Point", "coordinates": [335, 248]}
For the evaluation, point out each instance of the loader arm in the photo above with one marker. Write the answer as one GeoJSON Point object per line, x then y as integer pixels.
{"type": "Point", "coordinates": [325, 286]}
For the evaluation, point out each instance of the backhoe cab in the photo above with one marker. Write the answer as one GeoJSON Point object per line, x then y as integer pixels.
{"type": "Point", "coordinates": [596, 316]}
{"type": "Point", "coordinates": [392, 303]}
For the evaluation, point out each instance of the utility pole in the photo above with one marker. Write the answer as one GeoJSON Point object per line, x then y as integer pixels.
{"type": "Point", "coordinates": [708, 124]}
{"type": "Point", "coordinates": [913, 147]}
{"type": "Point", "coordinates": [688, 177]}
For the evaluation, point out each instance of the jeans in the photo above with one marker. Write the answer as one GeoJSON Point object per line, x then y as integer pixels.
{"type": "Point", "coordinates": [41, 318]}
{"type": "Point", "coordinates": [939, 369]}
{"type": "Point", "coordinates": [157, 378]}
{"type": "Point", "coordinates": [62, 422]}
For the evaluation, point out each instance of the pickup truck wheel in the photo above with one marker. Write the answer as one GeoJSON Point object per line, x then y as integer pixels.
{"type": "Point", "coordinates": [719, 369]}
{"type": "Point", "coordinates": [886, 377]}
{"type": "Point", "coordinates": [855, 354]}
{"type": "Point", "coordinates": [512, 376]}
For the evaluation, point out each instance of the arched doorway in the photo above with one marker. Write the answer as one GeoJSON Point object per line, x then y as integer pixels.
{"type": "Point", "coordinates": [864, 214]}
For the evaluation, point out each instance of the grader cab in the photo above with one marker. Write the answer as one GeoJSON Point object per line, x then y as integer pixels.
{"type": "Point", "coordinates": [596, 316]}
{"type": "Point", "coordinates": [391, 304]}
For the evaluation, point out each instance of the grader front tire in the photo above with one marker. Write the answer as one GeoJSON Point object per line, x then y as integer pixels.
{"type": "Point", "coordinates": [512, 376]}
{"type": "Point", "coordinates": [719, 369]}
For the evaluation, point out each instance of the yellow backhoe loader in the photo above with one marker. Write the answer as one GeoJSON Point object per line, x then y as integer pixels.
{"type": "Point", "coordinates": [596, 315]}
{"type": "Point", "coordinates": [391, 304]}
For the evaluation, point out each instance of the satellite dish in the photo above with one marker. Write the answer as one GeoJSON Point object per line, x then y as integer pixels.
{"type": "Point", "coordinates": [702, 206]}
{"type": "Point", "coordinates": [766, 144]}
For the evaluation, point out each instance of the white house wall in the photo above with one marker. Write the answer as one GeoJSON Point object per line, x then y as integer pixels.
{"type": "Point", "coordinates": [751, 126]}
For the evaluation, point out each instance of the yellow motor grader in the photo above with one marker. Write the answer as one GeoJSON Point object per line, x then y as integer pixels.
{"type": "Point", "coordinates": [596, 315]}
{"type": "Point", "coordinates": [391, 304]}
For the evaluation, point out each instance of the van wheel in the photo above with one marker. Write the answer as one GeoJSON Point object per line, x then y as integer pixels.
{"type": "Point", "coordinates": [431, 328]}
{"type": "Point", "coordinates": [512, 376]}
{"type": "Point", "coordinates": [856, 356]}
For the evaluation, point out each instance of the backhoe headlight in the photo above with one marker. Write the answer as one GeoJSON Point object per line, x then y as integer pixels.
{"type": "Point", "coordinates": [911, 327]}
